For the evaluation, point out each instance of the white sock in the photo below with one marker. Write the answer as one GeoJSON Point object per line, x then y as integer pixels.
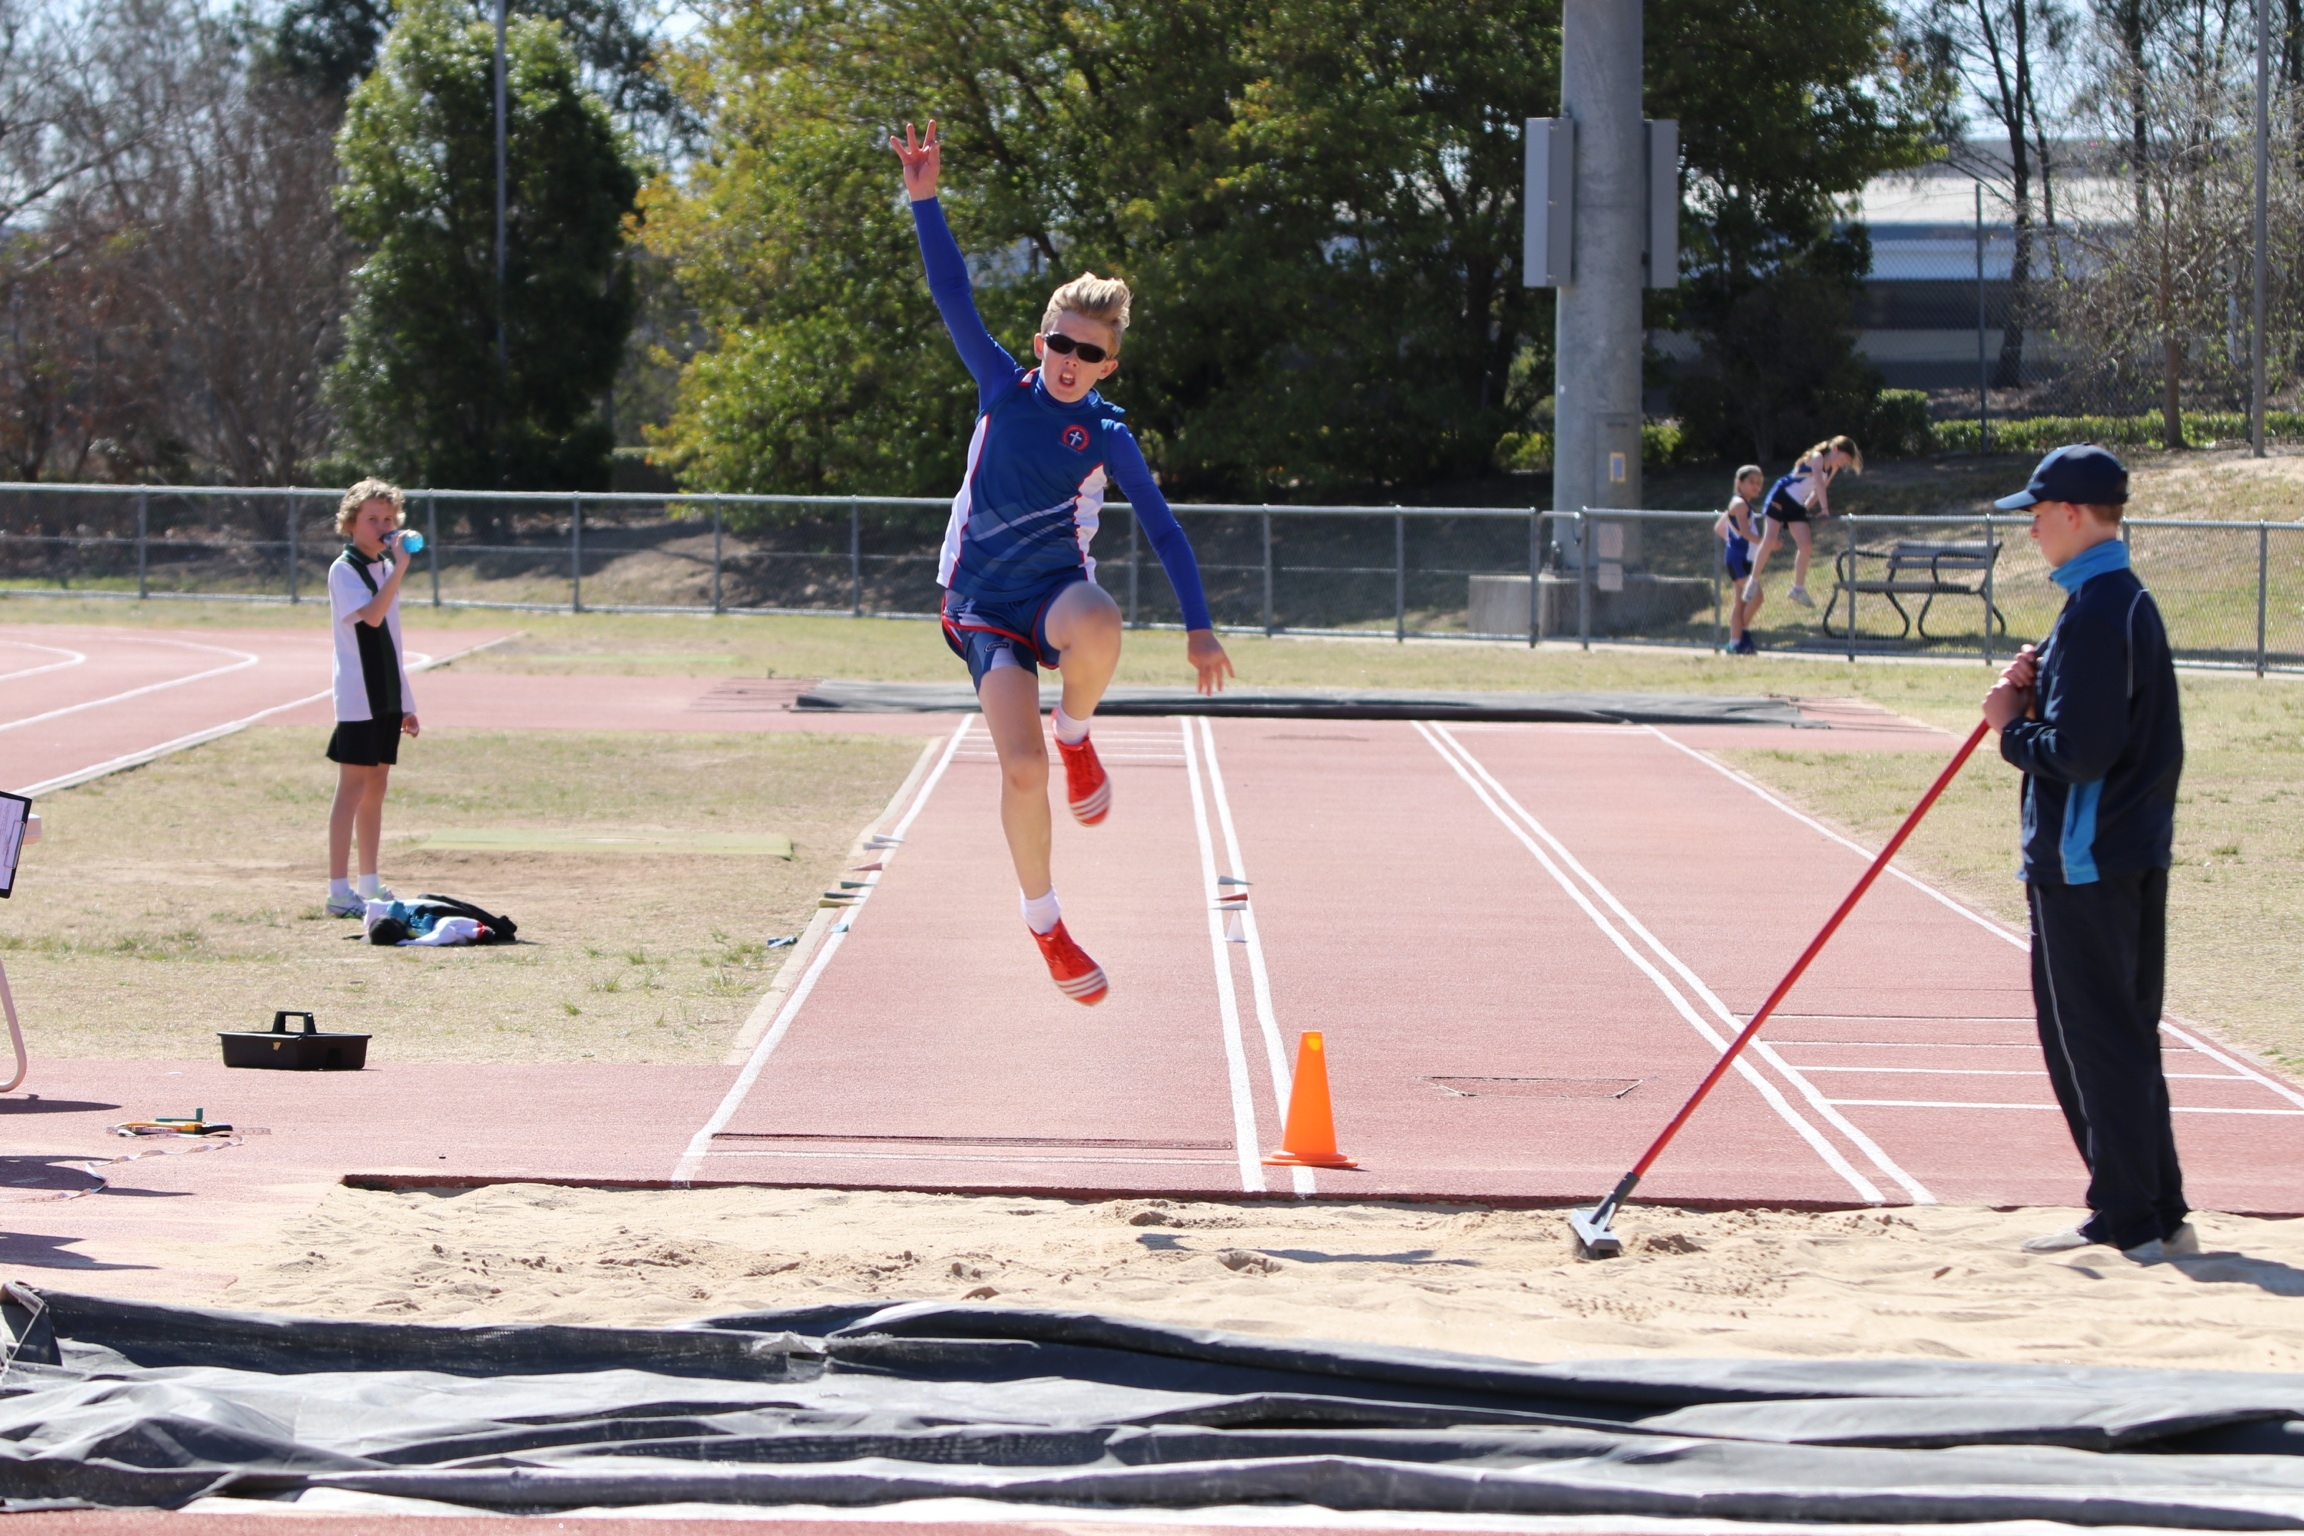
{"type": "Point", "coordinates": [1041, 914]}
{"type": "Point", "coordinates": [1071, 732]}
{"type": "Point", "coordinates": [370, 884]}
{"type": "Point", "coordinates": [339, 890]}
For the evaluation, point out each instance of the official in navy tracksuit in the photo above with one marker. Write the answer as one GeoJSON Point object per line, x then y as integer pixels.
{"type": "Point", "coordinates": [2091, 717]}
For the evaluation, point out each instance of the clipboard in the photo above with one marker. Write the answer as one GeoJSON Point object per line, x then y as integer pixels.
{"type": "Point", "coordinates": [15, 811]}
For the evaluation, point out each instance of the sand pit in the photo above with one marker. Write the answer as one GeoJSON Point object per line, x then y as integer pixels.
{"type": "Point", "coordinates": [1926, 1281]}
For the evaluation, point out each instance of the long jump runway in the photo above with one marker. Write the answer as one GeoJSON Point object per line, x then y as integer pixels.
{"type": "Point", "coordinates": [1524, 944]}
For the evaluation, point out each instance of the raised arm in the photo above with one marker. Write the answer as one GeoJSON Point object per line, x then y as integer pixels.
{"type": "Point", "coordinates": [988, 362]}
{"type": "Point", "coordinates": [1124, 463]}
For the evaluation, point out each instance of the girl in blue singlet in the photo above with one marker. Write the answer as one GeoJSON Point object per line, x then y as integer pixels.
{"type": "Point", "coordinates": [1793, 501]}
{"type": "Point", "coordinates": [1019, 584]}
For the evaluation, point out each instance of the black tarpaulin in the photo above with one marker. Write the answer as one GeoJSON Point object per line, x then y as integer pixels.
{"type": "Point", "coordinates": [125, 1403]}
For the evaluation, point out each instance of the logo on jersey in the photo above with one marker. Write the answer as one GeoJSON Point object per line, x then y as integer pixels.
{"type": "Point", "coordinates": [1076, 437]}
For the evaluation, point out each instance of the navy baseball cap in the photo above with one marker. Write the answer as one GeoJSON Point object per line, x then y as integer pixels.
{"type": "Point", "coordinates": [2082, 473]}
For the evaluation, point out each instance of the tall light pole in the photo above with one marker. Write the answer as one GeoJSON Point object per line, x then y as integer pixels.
{"type": "Point", "coordinates": [2263, 176]}
{"type": "Point", "coordinates": [502, 351]}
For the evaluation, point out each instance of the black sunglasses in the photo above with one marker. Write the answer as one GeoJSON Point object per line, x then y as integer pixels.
{"type": "Point", "coordinates": [1086, 351]}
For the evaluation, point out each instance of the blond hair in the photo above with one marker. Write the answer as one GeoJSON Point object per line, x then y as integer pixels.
{"type": "Point", "coordinates": [365, 492]}
{"type": "Point", "coordinates": [1841, 444]}
{"type": "Point", "coordinates": [1104, 299]}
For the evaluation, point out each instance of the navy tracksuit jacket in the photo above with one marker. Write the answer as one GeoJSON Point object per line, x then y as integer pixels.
{"type": "Point", "coordinates": [2101, 759]}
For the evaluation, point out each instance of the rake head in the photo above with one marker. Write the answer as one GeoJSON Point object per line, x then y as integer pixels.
{"type": "Point", "coordinates": [1595, 1236]}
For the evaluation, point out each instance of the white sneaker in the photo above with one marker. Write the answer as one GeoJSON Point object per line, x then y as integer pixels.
{"type": "Point", "coordinates": [382, 893]}
{"type": "Point", "coordinates": [347, 906]}
{"type": "Point", "coordinates": [2183, 1243]}
{"type": "Point", "coordinates": [2058, 1242]}
{"type": "Point", "coordinates": [1800, 596]}
{"type": "Point", "coordinates": [2152, 1252]}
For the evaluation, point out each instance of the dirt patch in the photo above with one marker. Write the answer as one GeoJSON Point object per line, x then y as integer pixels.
{"type": "Point", "coordinates": [1931, 1281]}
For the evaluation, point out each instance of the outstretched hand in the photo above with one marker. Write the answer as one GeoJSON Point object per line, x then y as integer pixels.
{"type": "Point", "coordinates": [1206, 653]}
{"type": "Point", "coordinates": [923, 159]}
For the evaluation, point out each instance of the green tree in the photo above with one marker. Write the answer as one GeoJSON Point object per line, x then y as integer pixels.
{"type": "Point", "coordinates": [420, 388]}
{"type": "Point", "coordinates": [1316, 201]}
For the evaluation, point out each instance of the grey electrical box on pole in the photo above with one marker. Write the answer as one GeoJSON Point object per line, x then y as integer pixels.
{"type": "Point", "coordinates": [1548, 252]}
{"type": "Point", "coordinates": [1549, 201]}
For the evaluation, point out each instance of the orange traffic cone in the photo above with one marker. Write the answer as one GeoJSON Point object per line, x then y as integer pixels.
{"type": "Point", "coordinates": [1309, 1138]}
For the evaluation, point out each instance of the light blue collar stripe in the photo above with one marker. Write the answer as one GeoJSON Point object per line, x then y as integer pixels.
{"type": "Point", "coordinates": [2111, 555]}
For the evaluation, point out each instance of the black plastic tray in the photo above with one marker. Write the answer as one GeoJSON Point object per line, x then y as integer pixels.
{"type": "Point", "coordinates": [310, 1051]}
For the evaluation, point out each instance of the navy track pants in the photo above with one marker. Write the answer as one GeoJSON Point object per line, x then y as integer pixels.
{"type": "Point", "coordinates": [2099, 963]}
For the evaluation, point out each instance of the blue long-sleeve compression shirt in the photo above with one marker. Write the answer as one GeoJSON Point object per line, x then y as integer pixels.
{"type": "Point", "coordinates": [1037, 468]}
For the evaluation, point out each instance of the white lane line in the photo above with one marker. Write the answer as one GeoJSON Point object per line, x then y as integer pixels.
{"type": "Point", "coordinates": [2195, 1077]}
{"type": "Point", "coordinates": [1997, 929]}
{"type": "Point", "coordinates": [700, 1145]}
{"type": "Point", "coordinates": [1244, 1139]}
{"type": "Point", "coordinates": [2181, 1109]}
{"type": "Point", "coordinates": [247, 660]}
{"type": "Point", "coordinates": [2224, 1059]}
{"type": "Point", "coordinates": [1259, 980]}
{"type": "Point", "coordinates": [72, 659]}
{"type": "Point", "coordinates": [1878, 1157]}
{"type": "Point", "coordinates": [1816, 1139]}
{"type": "Point", "coordinates": [976, 1157]}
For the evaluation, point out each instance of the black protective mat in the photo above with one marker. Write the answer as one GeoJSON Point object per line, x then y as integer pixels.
{"type": "Point", "coordinates": [1340, 704]}
{"type": "Point", "coordinates": [121, 1403]}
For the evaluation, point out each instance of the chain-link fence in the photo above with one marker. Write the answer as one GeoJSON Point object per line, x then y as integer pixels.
{"type": "Point", "coordinates": [2233, 593]}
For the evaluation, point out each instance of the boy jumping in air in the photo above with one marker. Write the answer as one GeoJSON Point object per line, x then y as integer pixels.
{"type": "Point", "coordinates": [2091, 716]}
{"type": "Point", "coordinates": [1020, 588]}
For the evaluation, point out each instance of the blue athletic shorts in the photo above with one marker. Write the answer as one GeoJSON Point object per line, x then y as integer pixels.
{"type": "Point", "coordinates": [1738, 557]}
{"type": "Point", "coordinates": [978, 631]}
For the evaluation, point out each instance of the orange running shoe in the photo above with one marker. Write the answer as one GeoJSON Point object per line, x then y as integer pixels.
{"type": "Point", "coordinates": [1085, 782]}
{"type": "Point", "coordinates": [1076, 976]}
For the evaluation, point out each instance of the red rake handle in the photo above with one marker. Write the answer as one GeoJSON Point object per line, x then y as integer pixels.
{"type": "Point", "coordinates": [1815, 945]}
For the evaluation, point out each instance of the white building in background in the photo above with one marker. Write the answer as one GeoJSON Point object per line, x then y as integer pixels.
{"type": "Point", "coordinates": [1918, 318]}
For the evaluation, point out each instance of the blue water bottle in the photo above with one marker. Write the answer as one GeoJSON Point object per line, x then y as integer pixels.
{"type": "Point", "coordinates": [411, 542]}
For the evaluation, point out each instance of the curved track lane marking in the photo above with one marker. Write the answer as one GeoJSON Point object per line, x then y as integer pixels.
{"type": "Point", "coordinates": [1244, 1136]}
{"type": "Point", "coordinates": [700, 1145]}
{"type": "Point", "coordinates": [1992, 926]}
{"type": "Point", "coordinates": [1823, 1106]}
{"type": "Point", "coordinates": [1833, 1158]}
{"type": "Point", "coordinates": [247, 659]}
{"type": "Point", "coordinates": [73, 659]}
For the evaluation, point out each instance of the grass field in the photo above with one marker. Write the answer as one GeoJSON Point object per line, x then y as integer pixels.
{"type": "Point", "coordinates": [240, 825]}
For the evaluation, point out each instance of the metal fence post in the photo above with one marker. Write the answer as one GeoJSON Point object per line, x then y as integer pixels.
{"type": "Point", "coordinates": [432, 542]}
{"type": "Point", "coordinates": [1134, 524]}
{"type": "Point", "coordinates": [2263, 581]}
{"type": "Point", "coordinates": [293, 595]}
{"type": "Point", "coordinates": [575, 554]}
{"type": "Point", "coordinates": [1400, 578]}
{"type": "Point", "coordinates": [1992, 559]}
{"type": "Point", "coordinates": [1267, 575]}
{"type": "Point", "coordinates": [716, 538]}
{"type": "Point", "coordinates": [1718, 569]}
{"type": "Point", "coordinates": [1849, 544]}
{"type": "Point", "coordinates": [1583, 583]}
{"type": "Point", "coordinates": [143, 536]}
{"type": "Point", "coordinates": [856, 559]}
{"type": "Point", "coordinates": [1535, 575]}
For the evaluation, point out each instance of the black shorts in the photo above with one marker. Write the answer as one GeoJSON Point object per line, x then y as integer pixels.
{"type": "Point", "coordinates": [1738, 561]}
{"type": "Point", "coordinates": [366, 743]}
{"type": "Point", "coordinates": [1784, 507]}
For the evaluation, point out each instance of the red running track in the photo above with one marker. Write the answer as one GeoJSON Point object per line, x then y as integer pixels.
{"type": "Point", "coordinates": [1525, 943]}
{"type": "Point", "coordinates": [78, 700]}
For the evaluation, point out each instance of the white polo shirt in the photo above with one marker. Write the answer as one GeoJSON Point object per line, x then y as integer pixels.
{"type": "Point", "coordinates": [369, 677]}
